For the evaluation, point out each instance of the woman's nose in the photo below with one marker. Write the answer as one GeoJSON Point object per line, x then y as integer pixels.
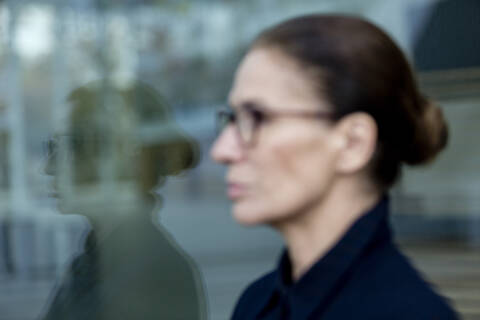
{"type": "Point", "coordinates": [227, 148]}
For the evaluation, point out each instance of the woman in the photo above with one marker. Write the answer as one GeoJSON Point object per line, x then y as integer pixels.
{"type": "Point", "coordinates": [122, 144]}
{"type": "Point", "coordinates": [324, 111]}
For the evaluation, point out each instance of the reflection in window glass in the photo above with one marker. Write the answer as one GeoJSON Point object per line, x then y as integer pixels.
{"type": "Point", "coordinates": [107, 191]}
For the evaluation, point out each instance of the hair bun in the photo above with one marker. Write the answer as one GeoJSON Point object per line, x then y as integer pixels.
{"type": "Point", "coordinates": [430, 137]}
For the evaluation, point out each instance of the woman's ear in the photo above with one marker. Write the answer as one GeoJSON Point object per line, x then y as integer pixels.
{"type": "Point", "coordinates": [356, 136]}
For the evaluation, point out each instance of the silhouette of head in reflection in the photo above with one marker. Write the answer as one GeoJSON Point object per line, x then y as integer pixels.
{"type": "Point", "coordinates": [120, 144]}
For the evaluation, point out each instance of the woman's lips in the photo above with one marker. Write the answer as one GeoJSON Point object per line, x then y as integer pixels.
{"type": "Point", "coordinates": [235, 190]}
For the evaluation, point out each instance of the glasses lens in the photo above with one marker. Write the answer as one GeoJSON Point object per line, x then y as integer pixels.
{"type": "Point", "coordinates": [224, 118]}
{"type": "Point", "coordinates": [243, 119]}
{"type": "Point", "coordinates": [246, 124]}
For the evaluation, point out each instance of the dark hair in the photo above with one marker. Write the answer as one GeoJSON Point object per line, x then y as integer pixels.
{"type": "Point", "coordinates": [358, 68]}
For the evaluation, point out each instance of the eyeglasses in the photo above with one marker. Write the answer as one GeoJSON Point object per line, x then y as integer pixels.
{"type": "Point", "coordinates": [71, 142]}
{"type": "Point", "coordinates": [250, 118]}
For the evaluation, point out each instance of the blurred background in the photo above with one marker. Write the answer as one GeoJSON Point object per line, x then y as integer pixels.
{"type": "Point", "coordinates": [187, 51]}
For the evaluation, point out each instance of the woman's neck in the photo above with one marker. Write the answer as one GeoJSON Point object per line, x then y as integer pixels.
{"type": "Point", "coordinates": [105, 220]}
{"type": "Point", "coordinates": [311, 234]}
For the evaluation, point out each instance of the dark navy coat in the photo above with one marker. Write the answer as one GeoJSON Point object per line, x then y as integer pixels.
{"type": "Point", "coordinates": [364, 276]}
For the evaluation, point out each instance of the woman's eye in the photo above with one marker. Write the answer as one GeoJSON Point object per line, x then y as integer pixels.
{"type": "Point", "coordinates": [258, 116]}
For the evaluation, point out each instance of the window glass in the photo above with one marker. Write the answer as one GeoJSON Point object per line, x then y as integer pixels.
{"type": "Point", "coordinates": [107, 191]}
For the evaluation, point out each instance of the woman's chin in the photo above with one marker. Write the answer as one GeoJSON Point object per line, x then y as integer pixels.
{"type": "Point", "coordinates": [252, 214]}
{"type": "Point", "coordinates": [248, 215]}
{"type": "Point", "coordinates": [63, 208]}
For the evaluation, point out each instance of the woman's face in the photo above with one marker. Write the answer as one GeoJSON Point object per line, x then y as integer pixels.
{"type": "Point", "coordinates": [290, 164]}
{"type": "Point", "coordinates": [79, 165]}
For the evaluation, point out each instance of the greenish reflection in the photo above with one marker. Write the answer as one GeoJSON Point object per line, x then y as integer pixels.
{"type": "Point", "coordinates": [121, 143]}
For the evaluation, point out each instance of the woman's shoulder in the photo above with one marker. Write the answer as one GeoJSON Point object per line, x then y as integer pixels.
{"type": "Point", "coordinates": [387, 280]}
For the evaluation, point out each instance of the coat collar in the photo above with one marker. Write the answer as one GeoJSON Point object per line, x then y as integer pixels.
{"type": "Point", "coordinates": [315, 288]}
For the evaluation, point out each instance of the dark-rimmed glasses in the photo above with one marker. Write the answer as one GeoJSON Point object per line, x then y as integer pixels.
{"type": "Point", "coordinates": [71, 143]}
{"type": "Point", "coordinates": [250, 118]}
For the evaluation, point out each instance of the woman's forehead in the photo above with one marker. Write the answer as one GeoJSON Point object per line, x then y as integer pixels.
{"type": "Point", "coordinates": [269, 76]}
